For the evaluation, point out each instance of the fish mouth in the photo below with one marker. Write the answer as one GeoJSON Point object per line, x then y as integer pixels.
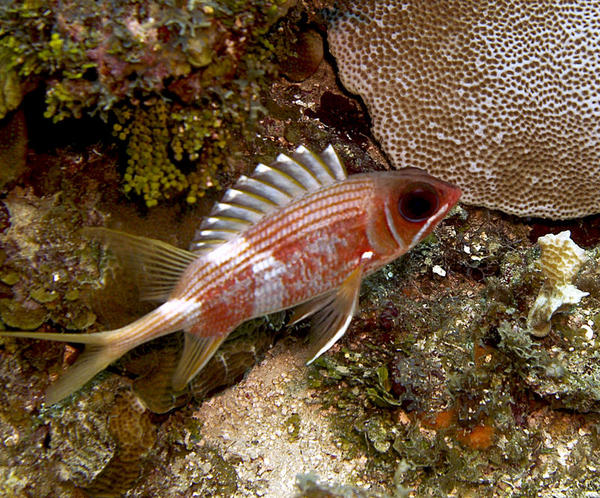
{"type": "Point", "coordinates": [451, 193]}
{"type": "Point", "coordinates": [455, 194]}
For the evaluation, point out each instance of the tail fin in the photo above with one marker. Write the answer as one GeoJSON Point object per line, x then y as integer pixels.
{"type": "Point", "coordinates": [92, 361]}
{"type": "Point", "coordinates": [102, 349]}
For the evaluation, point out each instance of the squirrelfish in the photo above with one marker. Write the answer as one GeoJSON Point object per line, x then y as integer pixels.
{"type": "Point", "coordinates": [297, 232]}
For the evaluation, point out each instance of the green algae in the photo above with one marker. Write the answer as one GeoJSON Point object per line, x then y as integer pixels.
{"type": "Point", "coordinates": [150, 172]}
{"type": "Point", "coordinates": [10, 278]}
{"type": "Point", "coordinates": [43, 295]}
{"type": "Point", "coordinates": [221, 478]}
{"type": "Point", "coordinates": [72, 295]}
{"type": "Point", "coordinates": [160, 136]}
{"type": "Point", "coordinates": [80, 319]}
{"type": "Point", "coordinates": [20, 316]}
{"type": "Point", "coordinates": [126, 62]}
{"type": "Point", "coordinates": [10, 90]}
{"type": "Point", "coordinates": [39, 241]}
{"type": "Point", "coordinates": [292, 427]}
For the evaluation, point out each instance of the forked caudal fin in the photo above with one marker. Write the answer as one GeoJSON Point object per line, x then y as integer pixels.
{"type": "Point", "coordinates": [102, 349]}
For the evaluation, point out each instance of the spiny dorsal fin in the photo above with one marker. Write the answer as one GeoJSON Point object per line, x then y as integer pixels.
{"type": "Point", "coordinates": [268, 188]}
{"type": "Point", "coordinates": [157, 266]}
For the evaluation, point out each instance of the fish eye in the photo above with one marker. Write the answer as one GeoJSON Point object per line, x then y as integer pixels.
{"type": "Point", "coordinates": [418, 202]}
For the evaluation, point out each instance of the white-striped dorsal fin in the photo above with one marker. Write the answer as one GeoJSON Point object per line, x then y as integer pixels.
{"type": "Point", "coordinates": [268, 188]}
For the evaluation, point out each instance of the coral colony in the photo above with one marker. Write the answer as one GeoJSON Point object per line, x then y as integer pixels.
{"type": "Point", "coordinates": [498, 98]}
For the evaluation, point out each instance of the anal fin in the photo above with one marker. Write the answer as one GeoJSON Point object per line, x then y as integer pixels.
{"type": "Point", "coordinates": [331, 313]}
{"type": "Point", "coordinates": [197, 351]}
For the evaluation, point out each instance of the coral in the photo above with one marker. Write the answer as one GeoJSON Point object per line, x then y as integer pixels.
{"type": "Point", "coordinates": [155, 366]}
{"type": "Point", "coordinates": [301, 55]}
{"type": "Point", "coordinates": [499, 99]}
{"type": "Point", "coordinates": [24, 316]}
{"type": "Point", "coordinates": [160, 137]}
{"type": "Point", "coordinates": [134, 435]}
{"type": "Point", "coordinates": [560, 261]}
{"type": "Point", "coordinates": [133, 59]}
{"type": "Point", "coordinates": [47, 266]}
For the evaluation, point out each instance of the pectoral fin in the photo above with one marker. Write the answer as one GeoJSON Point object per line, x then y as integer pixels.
{"type": "Point", "coordinates": [311, 307]}
{"type": "Point", "coordinates": [332, 314]}
{"type": "Point", "coordinates": [197, 351]}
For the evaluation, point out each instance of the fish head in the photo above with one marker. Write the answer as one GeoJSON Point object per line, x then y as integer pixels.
{"type": "Point", "coordinates": [409, 204]}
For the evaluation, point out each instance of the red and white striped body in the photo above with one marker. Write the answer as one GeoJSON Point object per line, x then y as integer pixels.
{"type": "Point", "coordinates": [307, 248]}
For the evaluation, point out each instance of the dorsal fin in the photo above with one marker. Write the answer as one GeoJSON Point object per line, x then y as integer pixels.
{"type": "Point", "coordinates": [268, 188]}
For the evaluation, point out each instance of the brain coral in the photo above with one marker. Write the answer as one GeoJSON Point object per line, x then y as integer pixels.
{"type": "Point", "coordinates": [501, 98]}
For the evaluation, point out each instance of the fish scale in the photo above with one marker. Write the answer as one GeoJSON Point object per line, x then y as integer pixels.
{"type": "Point", "coordinates": [335, 208]}
{"type": "Point", "coordinates": [297, 233]}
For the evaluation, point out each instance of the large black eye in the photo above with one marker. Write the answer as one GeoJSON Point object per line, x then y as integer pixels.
{"type": "Point", "coordinates": [418, 202]}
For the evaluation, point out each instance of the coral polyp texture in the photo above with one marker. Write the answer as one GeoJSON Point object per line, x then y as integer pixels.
{"type": "Point", "coordinates": [500, 98]}
{"type": "Point", "coordinates": [560, 261]}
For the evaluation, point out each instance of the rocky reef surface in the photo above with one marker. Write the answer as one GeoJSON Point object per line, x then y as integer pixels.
{"type": "Point", "coordinates": [438, 388]}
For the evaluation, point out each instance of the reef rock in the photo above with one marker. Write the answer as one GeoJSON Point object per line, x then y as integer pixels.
{"type": "Point", "coordinates": [560, 261]}
{"type": "Point", "coordinates": [500, 98]}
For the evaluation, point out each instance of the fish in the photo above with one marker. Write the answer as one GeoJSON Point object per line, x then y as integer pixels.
{"type": "Point", "coordinates": [297, 233]}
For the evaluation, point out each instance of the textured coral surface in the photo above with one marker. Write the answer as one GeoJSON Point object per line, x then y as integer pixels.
{"type": "Point", "coordinates": [561, 258]}
{"type": "Point", "coordinates": [500, 98]}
